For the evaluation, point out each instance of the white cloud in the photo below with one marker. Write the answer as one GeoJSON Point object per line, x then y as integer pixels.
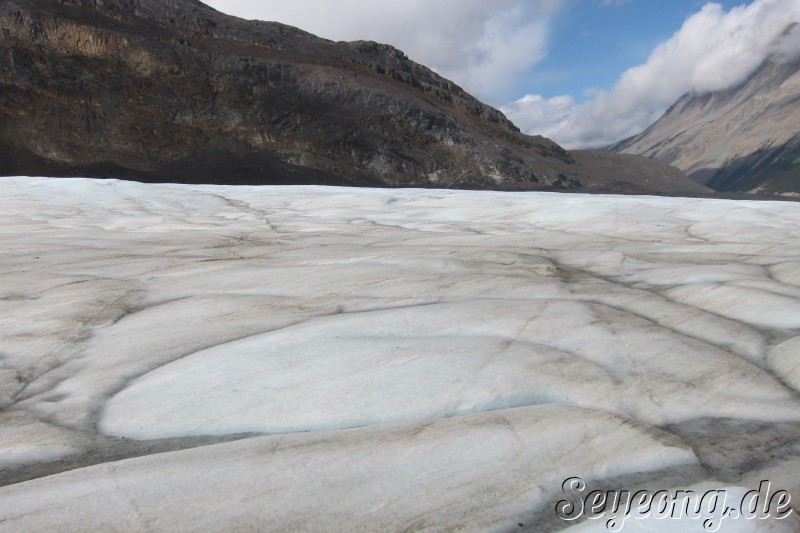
{"type": "Point", "coordinates": [714, 49]}
{"type": "Point", "coordinates": [548, 114]}
{"type": "Point", "coordinates": [789, 45]}
{"type": "Point", "coordinates": [483, 46]}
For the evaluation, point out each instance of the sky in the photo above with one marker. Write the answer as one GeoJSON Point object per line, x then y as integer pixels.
{"type": "Point", "coordinates": [585, 73]}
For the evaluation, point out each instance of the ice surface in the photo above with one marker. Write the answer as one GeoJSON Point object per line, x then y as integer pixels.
{"type": "Point", "coordinates": [482, 471]}
{"type": "Point", "coordinates": [416, 359]}
{"type": "Point", "coordinates": [25, 440]}
{"type": "Point", "coordinates": [752, 306]}
{"type": "Point", "coordinates": [443, 360]}
{"type": "Point", "coordinates": [785, 360]}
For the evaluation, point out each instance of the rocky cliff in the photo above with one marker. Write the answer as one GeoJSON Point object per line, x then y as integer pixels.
{"type": "Point", "coordinates": [172, 90]}
{"type": "Point", "coordinates": [744, 139]}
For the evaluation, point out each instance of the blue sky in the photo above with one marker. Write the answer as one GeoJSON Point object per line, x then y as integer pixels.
{"type": "Point", "coordinates": [593, 42]}
{"type": "Point", "coordinates": [585, 73]}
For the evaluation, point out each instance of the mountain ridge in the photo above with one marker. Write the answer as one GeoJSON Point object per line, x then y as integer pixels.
{"type": "Point", "coordinates": [176, 91]}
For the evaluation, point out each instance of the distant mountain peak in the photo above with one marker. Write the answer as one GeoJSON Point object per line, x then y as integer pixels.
{"type": "Point", "coordinates": [742, 139]}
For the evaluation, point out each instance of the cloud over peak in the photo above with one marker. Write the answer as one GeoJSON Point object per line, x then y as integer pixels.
{"type": "Point", "coordinates": [715, 49]}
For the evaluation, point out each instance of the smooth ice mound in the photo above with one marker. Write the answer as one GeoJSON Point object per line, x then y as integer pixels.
{"type": "Point", "coordinates": [443, 360]}
{"type": "Point", "coordinates": [478, 472]}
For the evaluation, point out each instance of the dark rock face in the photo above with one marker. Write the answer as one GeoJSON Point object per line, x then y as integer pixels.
{"type": "Point", "coordinates": [633, 174]}
{"type": "Point", "coordinates": [173, 90]}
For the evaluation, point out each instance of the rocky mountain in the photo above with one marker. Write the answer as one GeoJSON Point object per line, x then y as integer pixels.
{"type": "Point", "coordinates": [172, 90]}
{"type": "Point", "coordinates": [632, 174]}
{"type": "Point", "coordinates": [744, 139]}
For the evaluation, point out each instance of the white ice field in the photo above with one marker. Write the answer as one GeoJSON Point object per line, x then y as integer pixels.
{"type": "Point", "coordinates": [210, 358]}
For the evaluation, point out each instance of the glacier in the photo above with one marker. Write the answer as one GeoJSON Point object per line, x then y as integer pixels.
{"type": "Point", "coordinates": [179, 357]}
